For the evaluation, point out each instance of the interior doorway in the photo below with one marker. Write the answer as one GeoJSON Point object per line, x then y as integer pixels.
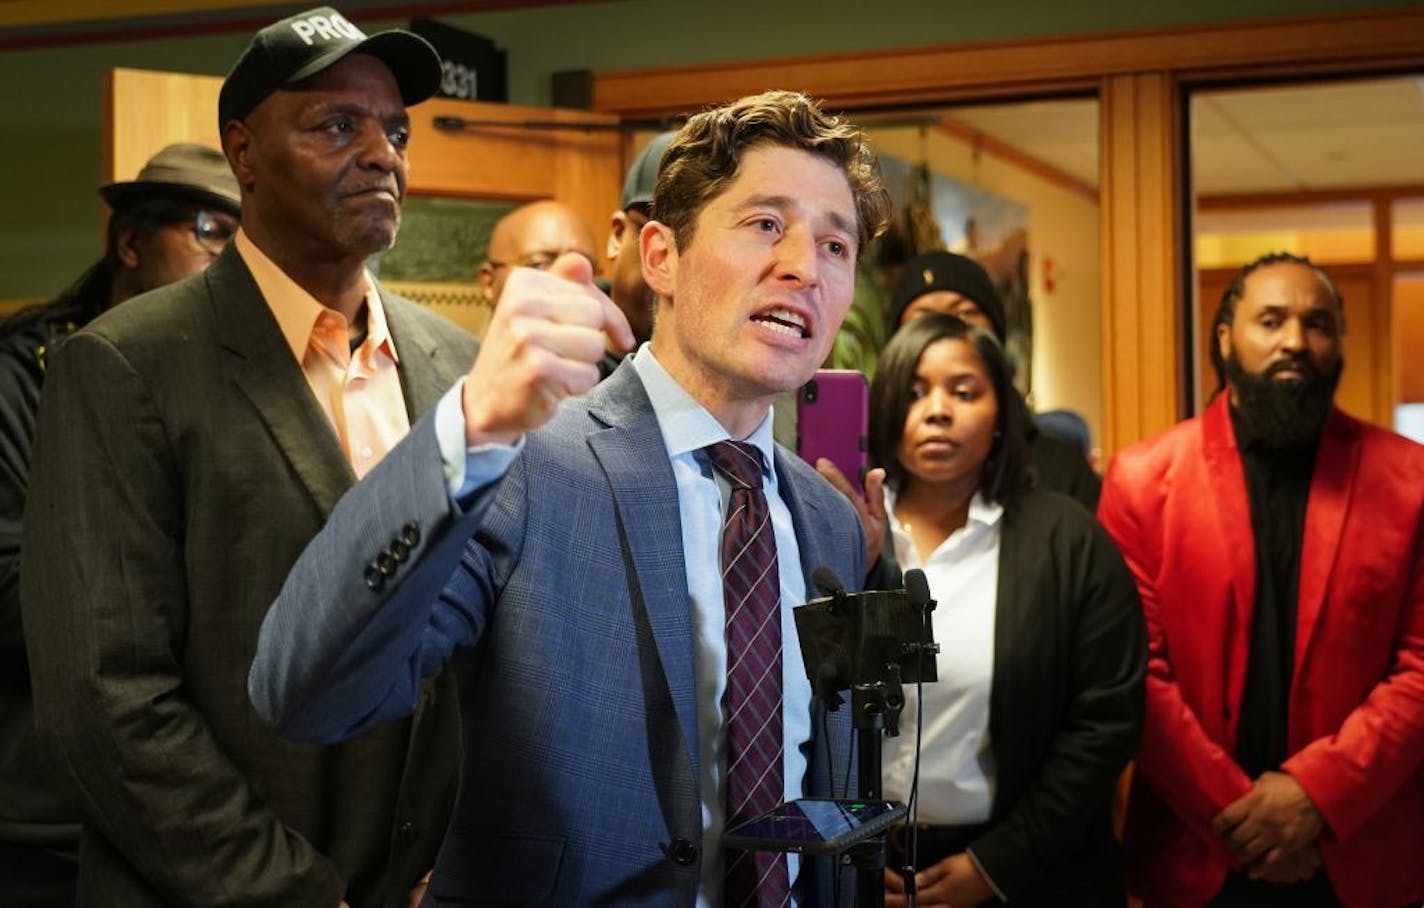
{"type": "Point", "coordinates": [1330, 170]}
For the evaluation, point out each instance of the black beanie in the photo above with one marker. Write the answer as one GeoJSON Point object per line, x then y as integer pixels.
{"type": "Point", "coordinates": [941, 270]}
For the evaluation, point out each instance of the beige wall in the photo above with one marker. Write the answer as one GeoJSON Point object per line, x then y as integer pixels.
{"type": "Point", "coordinates": [1063, 225]}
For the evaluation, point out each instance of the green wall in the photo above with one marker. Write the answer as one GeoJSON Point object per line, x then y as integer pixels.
{"type": "Point", "coordinates": [49, 112]}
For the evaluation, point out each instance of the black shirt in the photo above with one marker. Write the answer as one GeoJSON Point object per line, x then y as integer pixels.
{"type": "Point", "coordinates": [1278, 487]}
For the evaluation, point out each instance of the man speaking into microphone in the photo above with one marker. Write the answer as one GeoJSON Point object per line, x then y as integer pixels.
{"type": "Point", "coordinates": [613, 579]}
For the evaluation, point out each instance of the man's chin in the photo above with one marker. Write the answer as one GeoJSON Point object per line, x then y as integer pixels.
{"type": "Point", "coordinates": [372, 239]}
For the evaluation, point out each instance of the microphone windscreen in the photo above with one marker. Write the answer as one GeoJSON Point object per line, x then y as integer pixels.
{"type": "Point", "coordinates": [826, 581]}
{"type": "Point", "coordinates": [917, 587]}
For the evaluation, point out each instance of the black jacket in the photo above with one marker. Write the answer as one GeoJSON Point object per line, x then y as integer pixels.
{"type": "Point", "coordinates": [1065, 706]}
{"type": "Point", "coordinates": [37, 805]}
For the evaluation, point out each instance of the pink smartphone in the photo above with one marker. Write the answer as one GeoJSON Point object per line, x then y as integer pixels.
{"type": "Point", "coordinates": [832, 421]}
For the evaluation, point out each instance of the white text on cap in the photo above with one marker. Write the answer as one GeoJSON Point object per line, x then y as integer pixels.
{"type": "Point", "coordinates": [328, 28]}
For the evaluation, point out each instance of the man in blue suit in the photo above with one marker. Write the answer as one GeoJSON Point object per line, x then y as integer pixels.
{"type": "Point", "coordinates": [564, 557]}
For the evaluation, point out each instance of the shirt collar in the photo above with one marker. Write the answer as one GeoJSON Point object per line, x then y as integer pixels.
{"type": "Point", "coordinates": [297, 311]}
{"type": "Point", "coordinates": [981, 511]}
{"type": "Point", "coordinates": [685, 424]}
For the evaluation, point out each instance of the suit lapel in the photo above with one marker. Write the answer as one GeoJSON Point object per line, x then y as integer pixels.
{"type": "Point", "coordinates": [422, 382]}
{"type": "Point", "coordinates": [806, 517]}
{"type": "Point", "coordinates": [1330, 487]}
{"type": "Point", "coordinates": [1235, 542]}
{"type": "Point", "coordinates": [644, 492]}
{"type": "Point", "coordinates": [1227, 480]}
{"type": "Point", "coordinates": [263, 368]}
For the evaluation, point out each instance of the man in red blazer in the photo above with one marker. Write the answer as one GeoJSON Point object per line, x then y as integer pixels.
{"type": "Point", "coordinates": [1278, 546]}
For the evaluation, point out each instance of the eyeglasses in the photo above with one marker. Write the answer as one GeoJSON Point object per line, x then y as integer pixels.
{"type": "Point", "coordinates": [213, 230]}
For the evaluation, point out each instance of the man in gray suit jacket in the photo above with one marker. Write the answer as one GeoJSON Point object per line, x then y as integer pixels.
{"type": "Point", "coordinates": [570, 571]}
{"type": "Point", "coordinates": [190, 443]}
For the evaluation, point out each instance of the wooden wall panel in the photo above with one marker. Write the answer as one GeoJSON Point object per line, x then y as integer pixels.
{"type": "Point", "coordinates": [1142, 239]}
{"type": "Point", "coordinates": [939, 74]}
{"type": "Point", "coordinates": [1409, 336]}
{"type": "Point", "coordinates": [144, 111]}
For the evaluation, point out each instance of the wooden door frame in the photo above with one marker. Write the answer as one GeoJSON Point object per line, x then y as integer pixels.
{"type": "Point", "coordinates": [1140, 79]}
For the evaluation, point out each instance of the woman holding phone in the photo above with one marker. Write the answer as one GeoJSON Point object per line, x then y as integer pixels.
{"type": "Point", "coordinates": [1039, 702]}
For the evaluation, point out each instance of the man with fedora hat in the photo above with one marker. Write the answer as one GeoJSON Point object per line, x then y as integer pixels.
{"type": "Point", "coordinates": [940, 281]}
{"type": "Point", "coordinates": [169, 222]}
{"type": "Point", "coordinates": [188, 446]}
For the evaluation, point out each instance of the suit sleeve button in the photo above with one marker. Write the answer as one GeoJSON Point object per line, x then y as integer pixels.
{"type": "Point", "coordinates": [682, 852]}
{"type": "Point", "coordinates": [399, 551]}
{"type": "Point", "coordinates": [385, 563]}
{"type": "Point", "coordinates": [410, 535]}
{"type": "Point", "coordinates": [375, 580]}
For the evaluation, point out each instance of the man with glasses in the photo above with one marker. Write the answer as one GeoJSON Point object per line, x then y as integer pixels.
{"type": "Point", "coordinates": [532, 236]}
{"type": "Point", "coordinates": [188, 447]}
{"type": "Point", "coordinates": [169, 222]}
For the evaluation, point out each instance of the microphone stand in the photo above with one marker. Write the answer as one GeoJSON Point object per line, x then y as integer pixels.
{"type": "Point", "coordinates": [861, 645]}
{"type": "Point", "coordinates": [875, 708]}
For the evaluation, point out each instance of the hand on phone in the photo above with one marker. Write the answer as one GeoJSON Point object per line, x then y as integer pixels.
{"type": "Point", "coordinates": [870, 506]}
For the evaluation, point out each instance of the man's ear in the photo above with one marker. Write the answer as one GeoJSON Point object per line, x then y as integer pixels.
{"type": "Point", "coordinates": [126, 246]}
{"type": "Point", "coordinates": [1223, 340]}
{"type": "Point", "coordinates": [658, 249]}
{"type": "Point", "coordinates": [617, 234]}
{"type": "Point", "coordinates": [238, 146]}
{"type": "Point", "coordinates": [485, 279]}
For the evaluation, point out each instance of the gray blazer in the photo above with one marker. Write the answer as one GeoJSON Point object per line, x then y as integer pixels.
{"type": "Point", "coordinates": [561, 597]}
{"type": "Point", "coordinates": [181, 465]}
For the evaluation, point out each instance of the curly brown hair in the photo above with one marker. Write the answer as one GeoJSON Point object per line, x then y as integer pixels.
{"type": "Point", "coordinates": [704, 156]}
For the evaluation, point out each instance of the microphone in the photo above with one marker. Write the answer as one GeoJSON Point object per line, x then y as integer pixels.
{"type": "Point", "coordinates": [918, 588]}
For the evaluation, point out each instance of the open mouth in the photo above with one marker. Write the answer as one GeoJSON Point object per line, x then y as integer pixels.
{"type": "Point", "coordinates": [783, 321]}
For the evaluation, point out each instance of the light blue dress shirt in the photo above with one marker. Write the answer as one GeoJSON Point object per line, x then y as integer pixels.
{"type": "Point", "coordinates": [702, 495]}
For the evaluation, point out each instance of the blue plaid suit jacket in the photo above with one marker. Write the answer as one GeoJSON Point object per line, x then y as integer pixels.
{"type": "Point", "coordinates": [560, 600]}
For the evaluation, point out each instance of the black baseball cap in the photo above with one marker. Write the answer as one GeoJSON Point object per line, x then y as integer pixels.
{"type": "Point", "coordinates": [303, 45]}
{"type": "Point", "coordinates": [643, 175]}
{"type": "Point", "coordinates": [192, 172]}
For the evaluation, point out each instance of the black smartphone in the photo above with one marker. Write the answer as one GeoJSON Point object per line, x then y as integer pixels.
{"type": "Point", "coordinates": [814, 825]}
{"type": "Point", "coordinates": [832, 421]}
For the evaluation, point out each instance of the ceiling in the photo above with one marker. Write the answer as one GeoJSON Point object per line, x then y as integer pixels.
{"type": "Point", "coordinates": [1321, 136]}
{"type": "Point", "coordinates": [1291, 138]}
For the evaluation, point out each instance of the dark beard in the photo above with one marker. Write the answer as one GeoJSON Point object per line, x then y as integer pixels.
{"type": "Point", "coordinates": [1283, 414]}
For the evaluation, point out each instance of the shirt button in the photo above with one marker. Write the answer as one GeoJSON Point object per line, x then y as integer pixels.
{"type": "Point", "coordinates": [366, 453]}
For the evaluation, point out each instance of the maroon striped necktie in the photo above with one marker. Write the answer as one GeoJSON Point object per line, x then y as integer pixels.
{"type": "Point", "coordinates": [751, 588]}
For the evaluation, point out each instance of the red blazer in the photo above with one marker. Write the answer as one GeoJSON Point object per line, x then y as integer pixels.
{"type": "Point", "coordinates": [1177, 507]}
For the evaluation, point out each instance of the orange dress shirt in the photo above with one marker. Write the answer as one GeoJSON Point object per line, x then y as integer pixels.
{"type": "Point", "coordinates": [359, 391]}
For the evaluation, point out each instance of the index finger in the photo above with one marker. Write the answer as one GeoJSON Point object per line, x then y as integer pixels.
{"type": "Point", "coordinates": [573, 267]}
{"type": "Point", "coordinates": [1231, 816]}
{"type": "Point", "coordinates": [616, 327]}
{"type": "Point", "coordinates": [832, 474]}
{"type": "Point", "coordinates": [875, 492]}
